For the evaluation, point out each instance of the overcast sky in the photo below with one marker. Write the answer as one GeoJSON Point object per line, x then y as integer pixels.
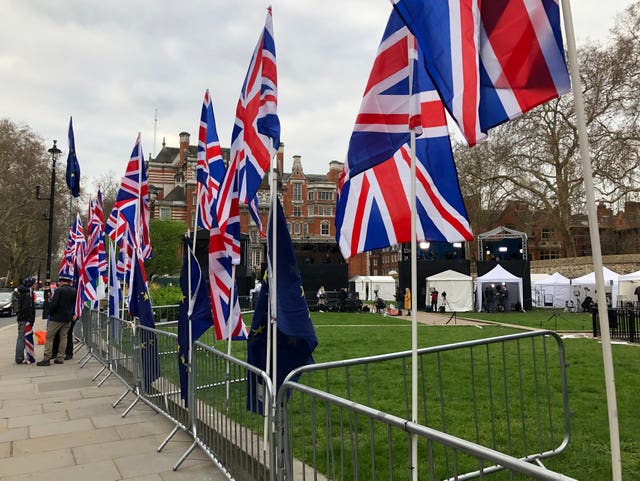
{"type": "Point", "coordinates": [110, 64]}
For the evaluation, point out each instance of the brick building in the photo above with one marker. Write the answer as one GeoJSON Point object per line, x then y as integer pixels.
{"type": "Point", "coordinates": [308, 200]}
{"type": "Point", "coordinates": [619, 232]}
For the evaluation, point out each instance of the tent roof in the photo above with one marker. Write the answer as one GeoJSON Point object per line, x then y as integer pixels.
{"type": "Point", "coordinates": [633, 276]}
{"type": "Point", "coordinates": [449, 275]}
{"type": "Point", "coordinates": [373, 279]}
{"type": "Point", "coordinates": [499, 273]}
{"type": "Point", "coordinates": [590, 278]}
{"type": "Point", "coordinates": [554, 279]}
{"type": "Point", "coordinates": [381, 279]}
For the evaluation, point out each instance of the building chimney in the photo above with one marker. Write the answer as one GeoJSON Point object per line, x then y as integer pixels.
{"type": "Point", "coordinates": [184, 147]}
{"type": "Point", "coordinates": [280, 160]}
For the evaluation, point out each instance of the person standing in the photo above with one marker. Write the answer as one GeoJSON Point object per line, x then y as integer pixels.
{"type": "Point", "coordinates": [26, 312]}
{"type": "Point", "coordinates": [434, 299]}
{"type": "Point", "coordinates": [61, 313]}
{"type": "Point", "coordinates": [321, 295]}
{"type": "Point", "coordinates": [407, 300]}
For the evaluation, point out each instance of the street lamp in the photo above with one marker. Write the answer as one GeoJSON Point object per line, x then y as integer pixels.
{"type": "Point", "coordinates": [55, 152]}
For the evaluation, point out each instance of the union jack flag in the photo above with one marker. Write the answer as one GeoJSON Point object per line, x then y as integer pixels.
{"type": "Point", "coordinates": [220, 281]}
{"type": "Point", "coordinates": [67, 261]}
{"type": "Point", "coordinates": [131, 207]}
{"type": "Point", "coordinates": [80, 247]}
{"type": "Point", "coordinates": [211, 167]}
{"type": "Point", "coordinates": [29, 346]}
{"type": "Point", "coordinates": [94, 270]}
{"type": "Point", "coordinates": [256, 132]}
{"type": "Point", "coordinates": [490, 61]}
{"type": "Point", "coordinates": [373, 209]}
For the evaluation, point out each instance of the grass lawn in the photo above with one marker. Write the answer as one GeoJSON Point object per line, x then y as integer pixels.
{"type": "Point", "coordinates": [343, 335]}
{"type": "Point", "coordinates": [553, 319]}
{"type": "Point", "coordinates": [348, 335]}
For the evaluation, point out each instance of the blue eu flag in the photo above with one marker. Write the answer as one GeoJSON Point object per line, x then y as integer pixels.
{"type": "Point", "coordinates": [140, 307]}
{"type": "Point", "coordinates": [198, 312]}
{"type": "Point", "coordinates": [296, 335]}
{"type": "Point", "coordinates": [73, 168]}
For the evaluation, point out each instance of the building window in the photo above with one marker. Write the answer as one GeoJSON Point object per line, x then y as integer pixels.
{"type": "Point", "coordinates": [375, 262]}
{"type": "Point", "coordinates": [310, 210]}
{"type": "Point", "coordinates": [329, 211]}
{"type": "Point", "coordinates": [289, 227]}
{"type": "Point", "coordinates": [256, 257]}
{"type": "Point", "coordinates": [325, 195]}
{"type": "Point", "coordinates": [547, 234]}
{"type": "Point", "coordinates": [324, 228]}
{"type": "Point", "coordinates": [253, 236]}
{"type": "Point", "coordinates": [296, 228]}
{"type": "Point", "coordinates": [310, 195]}
{"type": "Point", "coordinates": [165, 213]}
{"type": "Point", "coordinates": [305, 229]}
{"type": "Point", "coordinates": [297, 211]}
{"type": "Point", "coordinates": [549, 254]}
{"type": "Point", "coordinates": [320, 210]}
{"type": "Point", "coordinates": [297, 191]}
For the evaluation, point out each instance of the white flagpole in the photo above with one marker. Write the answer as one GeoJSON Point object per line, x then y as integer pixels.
{"type": "Point", "coordinates": [414, 274]}
{"type": "Point", "coordinates": [230, 321]}
{"type": "Point", "coordinates": [574, 69]}
{"type": "Point", "coordinates": [273, 284]}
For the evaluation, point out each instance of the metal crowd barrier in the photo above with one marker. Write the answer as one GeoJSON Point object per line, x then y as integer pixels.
{"type": "Point", "coordinates": [506, 394]}
{"type": "Point", "coordinates": [146, 361]}
{"type": "Point", "coordinates": [490, 405]}
{"type": "Point", "coordinates": [624, 323]}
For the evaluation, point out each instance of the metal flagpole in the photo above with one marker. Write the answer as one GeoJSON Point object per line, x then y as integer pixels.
{"type": "Point", "coordinates": [414, 274]}
{"type": "Point", "coordinates": [574, 70]}
{"type": "Point", "coordinates": [273, 284]}
{"type": "Point", "coordinates": [230, 326]}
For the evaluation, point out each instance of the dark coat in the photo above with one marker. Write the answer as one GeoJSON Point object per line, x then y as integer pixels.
{"type": "Point", "coordinates": [25, 307]}
{"type": "Point", "coordinates": [63, 304]}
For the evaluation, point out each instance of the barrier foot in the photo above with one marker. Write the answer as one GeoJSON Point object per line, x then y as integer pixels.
{"type": "Point", "coordinates": [98, 373]}
{"type": "Point", "coordinates": [124, 394]}
{"type": "Point", "coordinates": [135, 401]}
{"type": "Point", "coordinates": [85, 359]}
{"type": "Point", "coordinates": [184, 456]}
{"type": "Point", "coordinates": [168, 438]}
{"type": "Point", "coordinates": [105, 378]}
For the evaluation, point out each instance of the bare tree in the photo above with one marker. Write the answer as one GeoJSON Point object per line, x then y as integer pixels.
{"type": "Point", "coordinates": [25, 163]}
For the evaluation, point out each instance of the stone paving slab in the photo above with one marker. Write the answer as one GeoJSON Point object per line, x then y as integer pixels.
{"type": "Point", "coordinates": [35, 462]}
{"type": "Point", "coordinates": [102, 471]}
{"type": "Point", "coordinates": [56, 424]}
{"type": "Point", "coordinates": [70, 440]}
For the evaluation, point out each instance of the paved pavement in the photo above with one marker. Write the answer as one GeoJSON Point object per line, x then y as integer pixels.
{"type": "Point", "coordinates": [57, 425]}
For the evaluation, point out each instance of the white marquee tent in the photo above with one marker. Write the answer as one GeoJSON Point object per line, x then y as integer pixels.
{"type": "Point", "coordinates": [586, 286]}
{"type": "Point", "coordinates": [627, 285]}
{"type": "Point", "coordinates": [366, 286]}
{"type": "Point", "coordinates": [459, 289]}
{"type": "Point", "coordinates": [499, 275]}
{"type": "Point", "coordinates": [553, 291]}
{"type": "Point", "coordinates": [535, 278]}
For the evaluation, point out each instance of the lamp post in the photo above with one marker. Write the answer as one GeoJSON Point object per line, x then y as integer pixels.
{"type": "Point", "coordinates": [55, 152]}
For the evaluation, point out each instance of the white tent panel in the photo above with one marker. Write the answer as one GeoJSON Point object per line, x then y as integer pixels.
{"type": "Point", "coordinates": [554, 291]}
{"type": "Point", "coordinates": [366, 287]}
{"type": "Point", "coordinates": [495, 276]}
{"type": "Point", "coordinates": [534, 279]}
{"type": "Point", "coordinates": [586, 286]}
{"type": "Point", "coordinates": [627, 285]}
{"type": "Point", "coordinates": [458, 287]}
